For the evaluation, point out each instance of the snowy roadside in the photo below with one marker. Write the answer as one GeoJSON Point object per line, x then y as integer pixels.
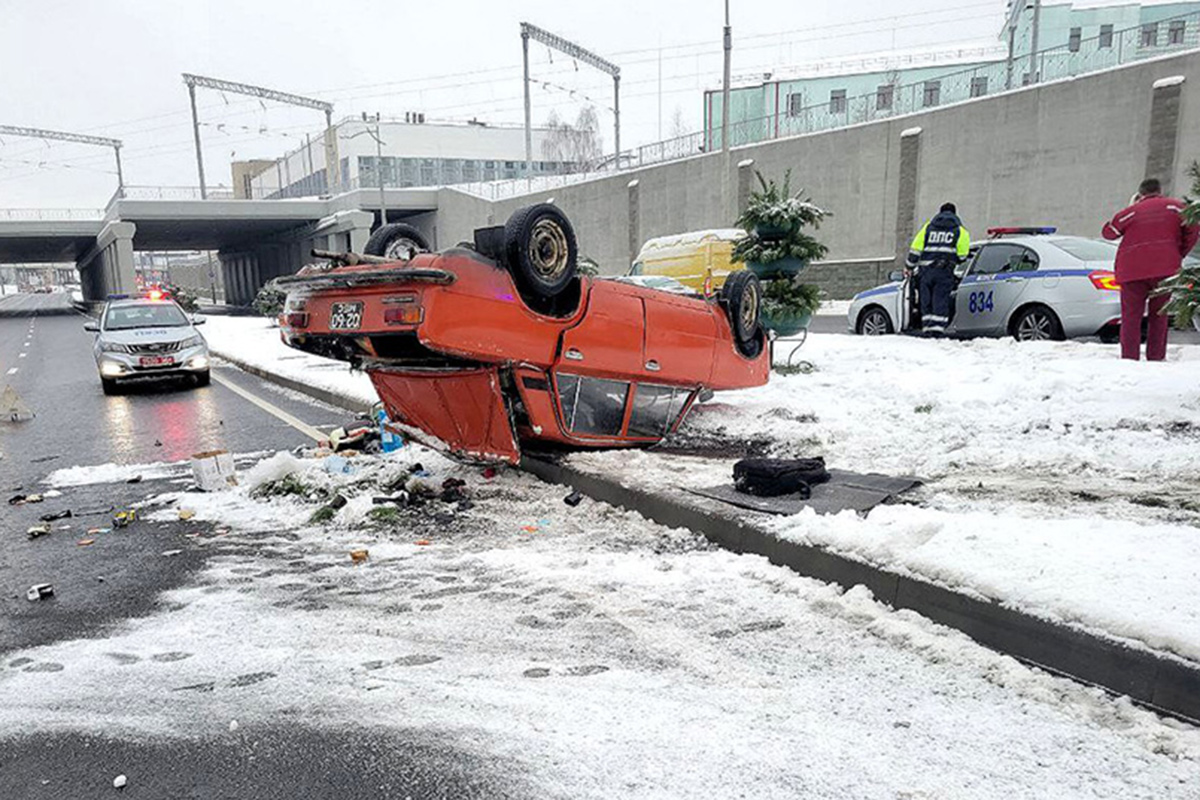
{"type": "Point", "coordinates": [579, 652]}
{"type": "Point", "coordinates": [1061, 480]}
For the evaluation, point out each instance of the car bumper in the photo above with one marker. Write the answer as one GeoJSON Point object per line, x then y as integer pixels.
{"type": "Point", "coordinates": [123, 365]}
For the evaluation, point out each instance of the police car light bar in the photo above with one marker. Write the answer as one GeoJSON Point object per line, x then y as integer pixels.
{"type": "Point", "coordinates": [117, 297]}
{"type": "Point", "coordinates": [1045, 230]}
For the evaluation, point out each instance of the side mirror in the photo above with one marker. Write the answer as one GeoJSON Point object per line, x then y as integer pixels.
{"type": "Point", "coordinates": [199, 319]}
{"type": "Point", "coordinates": [895, 276]}
{"type": "Point", "coordinates": [91, 327]}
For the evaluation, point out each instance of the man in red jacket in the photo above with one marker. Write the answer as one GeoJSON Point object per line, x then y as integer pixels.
{"type": "Point", "coordinates": [1154, 241]}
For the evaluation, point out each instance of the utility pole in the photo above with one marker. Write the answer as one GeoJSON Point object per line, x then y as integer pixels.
{"type": "Point", "coordinates": [378, 165]}
{"type": "Point", "coordinates": [192, 81]}
{"type": "Point", "coordinates": [528, 124]}
{"type": "Point", "coordinates": [578, 53]}
{"type": "Point", "coordinates": [725, 87]}
{"type": "Point", "coordinates": [77, 138]}
{"type": "Point", "coordinates": [1033, 44]}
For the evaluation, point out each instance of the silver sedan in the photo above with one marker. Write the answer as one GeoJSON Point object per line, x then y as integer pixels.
{"type": "Point", "coordinates": [147, 338]}
{"type": "Point", "coordinates": [1027, 283]}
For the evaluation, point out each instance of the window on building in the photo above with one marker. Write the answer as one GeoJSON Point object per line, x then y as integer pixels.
{"type": "Point", "coordinates": [1074, 39]}
{"type": "Point", "coordinates": [1150, 35]}
{"type": "Point", "coordinates": [884, 97]}
{"type": "Point", "coordinates": [427, 172]}
{"type": "Point", "coordinates": [1106, 33]}
{"type": "Point", "coordinates": [933, 93]}
{"type": "Point", "coordinates": [837, 101]}
{"type": "Point", "coordinates": [795, 104]}
{"type": "Point", "coordinates": [1175, 31]}
{"type": "Point", "coordinates": [979, 85]}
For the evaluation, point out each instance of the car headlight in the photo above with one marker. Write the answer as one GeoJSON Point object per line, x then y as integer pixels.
{"type": "Point", "coordinates": [192, 341]}
{"type": "Point", "coordinates": [113, 347]}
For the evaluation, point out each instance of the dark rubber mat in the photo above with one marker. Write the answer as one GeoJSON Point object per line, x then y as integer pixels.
{"type": "Point", "coordinates": [845, 490]}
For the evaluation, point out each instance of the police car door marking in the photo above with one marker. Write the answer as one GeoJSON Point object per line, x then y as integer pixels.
{"type": "Point", "coordinates": [980, 302]}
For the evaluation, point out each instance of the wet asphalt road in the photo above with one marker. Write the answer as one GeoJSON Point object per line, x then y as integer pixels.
{"type": "Point", "coordinates": [47, 359]}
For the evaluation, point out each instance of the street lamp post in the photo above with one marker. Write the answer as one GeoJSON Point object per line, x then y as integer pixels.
{"type": "Point", "coordinates": [725, 86]}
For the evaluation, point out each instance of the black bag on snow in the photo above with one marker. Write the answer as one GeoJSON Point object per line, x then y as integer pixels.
{"type": "Point", "coordinates": [771, 477]}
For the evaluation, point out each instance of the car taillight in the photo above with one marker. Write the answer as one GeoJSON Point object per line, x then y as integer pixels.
{"type": "Point", "coordinates": [404, 315]}
{"type": "Point", "coordinates": [1103, 279]}
{"type": "Point", "coordinates": [296, 319]}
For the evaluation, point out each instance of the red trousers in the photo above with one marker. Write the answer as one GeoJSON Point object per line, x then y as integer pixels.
{"type": "Point", "coordinates": [1134, 296]}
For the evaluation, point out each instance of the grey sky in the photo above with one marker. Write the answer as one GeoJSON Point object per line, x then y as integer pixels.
{"type": "Point", "coordinates": [112, 68]}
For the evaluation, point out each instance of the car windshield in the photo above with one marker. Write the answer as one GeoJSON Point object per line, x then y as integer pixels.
{"type": "Point", "coordinates": [1087, 249]}
{"type": "Point", "coordinates": [144, 315]}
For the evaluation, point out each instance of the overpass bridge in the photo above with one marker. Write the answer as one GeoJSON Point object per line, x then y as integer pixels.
{"type": "Point", "coordinates": [255, 240]}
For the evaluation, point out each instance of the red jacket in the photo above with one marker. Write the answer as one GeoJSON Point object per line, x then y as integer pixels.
{"type": "Point", "coordinates": [1154, 239]}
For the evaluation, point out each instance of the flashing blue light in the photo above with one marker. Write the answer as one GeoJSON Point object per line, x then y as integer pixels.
{"type": "Point", "coordinates": [117, 297]}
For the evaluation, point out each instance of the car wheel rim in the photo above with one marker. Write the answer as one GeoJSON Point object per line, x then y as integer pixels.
{"type": "Point", "coordinates": [548, 251]}
{"type": "Point", "coordinates": [1034, 328]}
{"type": "Point", "coordinates": [874, 324]}
{"type": "Point", "coordinates": [749, 308]}
{"type": "Point", "coordinates": [402, 249]}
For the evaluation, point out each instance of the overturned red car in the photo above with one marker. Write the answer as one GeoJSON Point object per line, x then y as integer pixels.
{"type": "Point", "coordinates": [499, 343]}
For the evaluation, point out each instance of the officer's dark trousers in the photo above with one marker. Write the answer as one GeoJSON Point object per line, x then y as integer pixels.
{"type": "Point", "coordinates": [936, 284]}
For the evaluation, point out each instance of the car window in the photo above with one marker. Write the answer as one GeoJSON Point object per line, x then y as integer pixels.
{"type": "Point", "coordinates": [655, 409]}
{"type": "Point", "coordinates": [1002, 257]}
{"type": "Point", "coordinates": [592, 405]}
{"type": "Point", "coordinates": [1087, 249]}
{"type": "Point", "coordinates": [148, 315]}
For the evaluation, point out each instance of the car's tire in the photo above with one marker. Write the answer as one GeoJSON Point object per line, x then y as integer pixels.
{"type": "Point", "coordinates": [1036, 324]}
{"type": "Point", "coordinates": [741, 294]}
{"type": "Point", "coordinates": [1110, 336]}
{"type": "Point", "coordinates": [203, 378]}
{"type": "Point", "coordinates": [873, 321]}
{"type": "Point", "coordinates": [110, 386]}
{"type": "Point", "coordinates": [396, 240]}
{"type": "Point", "coordinates": [540, 250]}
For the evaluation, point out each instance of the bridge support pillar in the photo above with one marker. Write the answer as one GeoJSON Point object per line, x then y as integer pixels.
{"type": "Point", "coordinates": [108, 267]}
{"type": "Point", "coordinates": [344, 230]}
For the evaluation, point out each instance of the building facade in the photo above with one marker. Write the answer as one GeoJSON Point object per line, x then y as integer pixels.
{"type": "Point", "coordinates": [1071, 39]}
{"type": "Point", "coordinates": [411, 153]}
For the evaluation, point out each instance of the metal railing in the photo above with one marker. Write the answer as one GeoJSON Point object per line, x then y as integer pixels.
{"type": "Point", "coordinates": [52, 214]}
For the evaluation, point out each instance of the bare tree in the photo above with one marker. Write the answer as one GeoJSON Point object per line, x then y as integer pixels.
{"type": "Point", "coordinates": [678, 125]}
{"type": "Point", "coordinates": [577, 147]}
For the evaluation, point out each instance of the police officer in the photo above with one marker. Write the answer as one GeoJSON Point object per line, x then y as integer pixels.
{"type": "Point", "coordinates": [941, 245]}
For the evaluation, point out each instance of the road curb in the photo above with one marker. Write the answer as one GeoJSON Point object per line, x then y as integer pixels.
{"type": "Point", "coordinates": [1159, 681]}
{"type": "Point", "coordinates": [324, 395]}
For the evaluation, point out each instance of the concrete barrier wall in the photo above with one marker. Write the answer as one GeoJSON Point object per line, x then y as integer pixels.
{"type": "Point", "coordinates": [1068, 154]}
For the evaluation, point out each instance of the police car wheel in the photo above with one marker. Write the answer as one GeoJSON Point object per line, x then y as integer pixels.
{"type": "Point", "coordinates": [110, 386]}
{"type": "Point", "coordinates": [204, 378]}
{"type": "Point", "coordinates": [1037, 324]}
{"type": "Point", "coordinates": [874, 322]}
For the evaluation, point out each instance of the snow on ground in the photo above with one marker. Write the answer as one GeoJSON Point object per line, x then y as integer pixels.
{"type": "Point", "coordinates": [1060, 479]}
{"type": "Point", "coordinates": [255, 341]}
{"type": "Point", "coordinates": [584, 652]}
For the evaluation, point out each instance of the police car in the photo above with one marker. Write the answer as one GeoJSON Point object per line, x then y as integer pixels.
{"type": "Point", "coordinates": [147, 337]}
{"type": "Point", "coordinates": [1029, 283]}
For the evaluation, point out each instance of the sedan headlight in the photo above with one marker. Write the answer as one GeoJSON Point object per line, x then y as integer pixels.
{"type": "Point", "coordinates": [113, 347]}
{"type": "Point", "coordinates": [191, 341]}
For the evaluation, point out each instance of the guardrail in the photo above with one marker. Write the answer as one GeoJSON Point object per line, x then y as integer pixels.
{"type": "Point", "coordinates": [52, 214]}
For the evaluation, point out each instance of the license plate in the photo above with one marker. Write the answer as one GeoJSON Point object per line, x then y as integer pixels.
{"type": "Point", "coordinates": [156, 361]}
{"type": "Point", "coordinates": [345, 316]}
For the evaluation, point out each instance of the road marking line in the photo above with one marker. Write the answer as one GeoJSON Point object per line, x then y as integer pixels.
{"type": "Point", "coordinates": [274, 410]}
{"type": "Point", "coordinates": [13, 371]}
{"type": "Point", "coordinates": [22, 355]}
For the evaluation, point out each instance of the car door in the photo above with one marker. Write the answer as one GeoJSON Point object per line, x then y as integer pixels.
{"type": "Point", "coordinates": [991, 288]}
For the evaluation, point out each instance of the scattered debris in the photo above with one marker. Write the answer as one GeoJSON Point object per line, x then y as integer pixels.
{"type": "Point", "coordinates": [186, 513]}
{"type": "Point", "coordinates": [85, 542]}
{"type": "Point", "coordinates": [94, 531]}
{"type": "Point", "coordinates": [530, 528]}
{"type": "Point", "coordinates": [38, 530]}
{"type": "Point", "coordinates": [135, 479]}
{"type": "Point", "coordinates": [49, 493]}
{"type": "Point", "coordinates": [120, 781]}
{"type": "Point", "coordinates": [233, 725]}
{"type": "Point", "coordinates": [573, 499]}
{"type": "Point", "coordinates": [171, 552]}
{"type": "Point", "coordinates": [489, 472]}
{"type": "Point", "coordinates": [122, 519]}
{"type": "Point", "coordinates": [41, 459]}
{"type": "Point", "coordinates": [338, 465]}
{"type": "Point", "coordinates": [39, 591]}
{"type": "Point", "coordinates": [214, 470]}
{"type": "Point", "coordinates": [16, 500]}
{"type": "Point", "coordinates": [359, 556]}
{"type": "Point", "coordinates": [64, 514]}
{"type": "Point", "coordinates": [421, 542]}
